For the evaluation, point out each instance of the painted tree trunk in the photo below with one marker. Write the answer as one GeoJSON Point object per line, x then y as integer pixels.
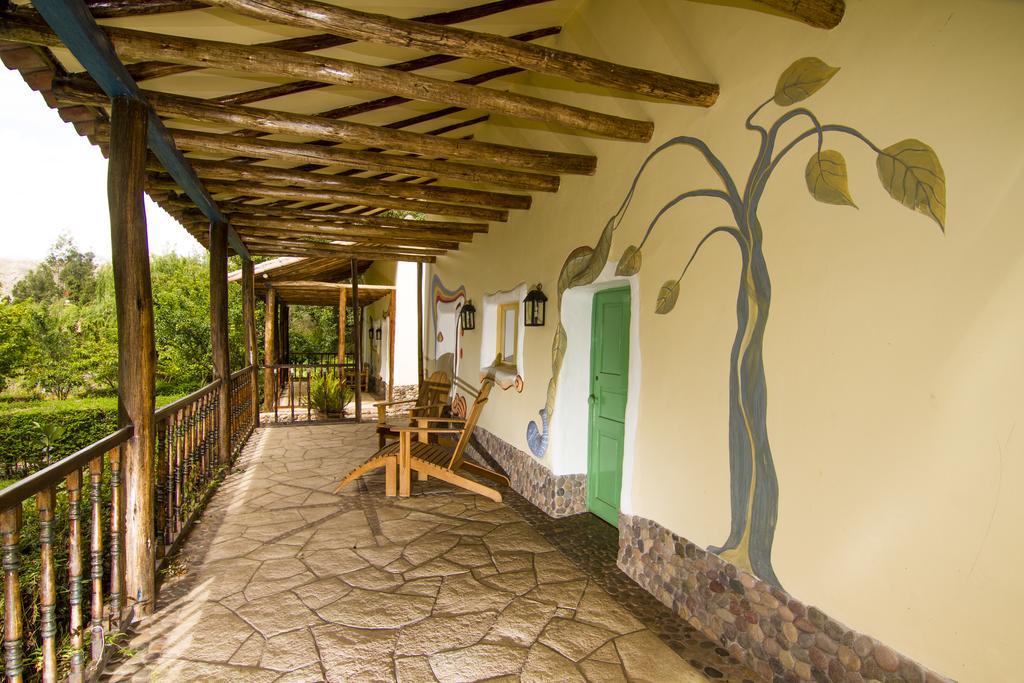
{"type": "Point", "coordinates": [754, 494]}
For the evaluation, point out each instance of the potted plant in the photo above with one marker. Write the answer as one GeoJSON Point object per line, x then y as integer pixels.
{"type": "Point", "coordinates": [328, 395]}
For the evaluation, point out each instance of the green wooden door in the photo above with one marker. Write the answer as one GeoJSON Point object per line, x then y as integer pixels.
{"type": "Point", "coordinates": [609, 377]}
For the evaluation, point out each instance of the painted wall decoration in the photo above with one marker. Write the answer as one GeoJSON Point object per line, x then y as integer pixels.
{"type": "Point", "coordinates": [910, 172]}
{"type": "Point", "coordinates": [444, 312]}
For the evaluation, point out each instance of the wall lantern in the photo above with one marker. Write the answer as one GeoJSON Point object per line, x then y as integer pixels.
{"type": "Point", "coordinates": [536, 305]}
{"type": "Point", "coordinates": [468, 316]}
{"type": "Point", "coordinates": [378, 332]}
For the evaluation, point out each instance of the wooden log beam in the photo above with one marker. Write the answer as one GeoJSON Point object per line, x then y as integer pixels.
{"type": "Point", "coordinates": [192, 109]}
{"type": "Point", "coordinates": [346, 249]}
{"type": "Point", "coordinates": [314, 236]}
{"type": "Point", "coordinates": [133, 293]}
{"type": "Point", "coordinates": [366, 188]}
{"type": "Point", "coordinates": [245, 212]}
{"type": "Point", "coordinates": [824, 14]}
{"type": "Point", "coordinates": [354, 232]}
{"type": "Point", "coordinates": [141, 71]}
{"type": "Point", "coordinates": [269, 348]}
{"type": "Point", "coordinates": [317, 155]}
{"type": "Point", "coordinates": [135, 45]}
{"type": "Point", "coordinates": [219, 338]}
{"type": "Point", "coordinates": [110, 9]}
{"type": "Point", "coordinates": [274, 250]}
{"type": "Point", "coordinates": [379, 28]}
{"type": "Point", "coordinates": [284, 89]}
{"type": "Point", "coordinates": [247, 189]}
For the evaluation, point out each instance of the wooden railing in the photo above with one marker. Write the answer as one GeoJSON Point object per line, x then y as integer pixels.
{"type": "Point", "coordinates": [52, 505]}
{"type": "Point", "coordinates": [292, 387]}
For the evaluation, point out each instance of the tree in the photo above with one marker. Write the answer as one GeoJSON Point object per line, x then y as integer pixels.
{"type": "Point", "coordinates": [54, 362]}
{"type": "Point", "coordinates": [14, 339]}
{"type": "Point", "coordinates": [65, 274]}
{"type": "Point", "coordinates": [909, 171]}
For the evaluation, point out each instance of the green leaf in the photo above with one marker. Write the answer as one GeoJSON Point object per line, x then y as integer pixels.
{"type": "Point", "coordinates": [629, 263]}
{"type": "Point", "coordinates": [667, 296]}
{"type": "Point", "coordinates": [910, 171]}
{"type": "Point", "coordinates": [802, 79]}
{"type": "Point", "coordinates": [826, 178]}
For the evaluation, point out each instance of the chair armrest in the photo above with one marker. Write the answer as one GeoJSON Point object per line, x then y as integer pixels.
{"type": "Point", "coordinates": [427, 430]}
{"type": "Point", "coordinates": [432, 406]}
{"type": "Point", "coordinates": [446, 420]}
{"type": "Point", "coordinates": [394, 403]}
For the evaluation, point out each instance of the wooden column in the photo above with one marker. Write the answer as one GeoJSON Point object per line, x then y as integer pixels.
{"type": "Point", "coordinates": [285, 351]}
{"type": "Point", "coordinates": [126, 174]}
{"type": "Point", "coordinates": [391, 347]}
{"type": "Point", "coordinates": [219, 335]}
{"type": "Point", "coordinates": [342, 314]}
{"type": "Point", "coordinates": [357, 339]}
{"type": "Point", "coordinates": [419, 324]}
{"type": "Point", "coordinates": [269, 348]}
{"type": "Point", "coordinates": [249, 320]}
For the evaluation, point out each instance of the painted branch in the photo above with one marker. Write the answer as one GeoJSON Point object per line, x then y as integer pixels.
{"type": "Point", "coordinates": [260, 94]}
{"type": "Point", "coordinates": [137, 45]}
{"type": "Point", "coordinates": [269, 348]}
{"type": "Point", "coordinates": [373, 161]}
{"type": "Point", "coordinates": [273, 122]}
{"type": "Point", "coordinates": [365, 188]}
{"type": "Point", "coordinates": [817, 13]}
{"type": "Point", "coordinates": [378, 28]}
{"type": "Point", "coordinates": [136, 342]}
{"type": "Point", "coordinates": [141, 71]}
{"type": "Point", "coordinates": [244, 189]}
{"type": "Point", "coordinates": [219, 337]}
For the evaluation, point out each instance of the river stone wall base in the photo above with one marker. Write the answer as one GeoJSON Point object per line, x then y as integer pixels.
{"type": "Point", "coordinates": [764, 627]}
{"type": "Point", "coordinates": [557, 495]}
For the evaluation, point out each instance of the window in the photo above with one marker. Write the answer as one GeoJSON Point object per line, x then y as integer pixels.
{"type": "Point", "coordinates": [508, 334]}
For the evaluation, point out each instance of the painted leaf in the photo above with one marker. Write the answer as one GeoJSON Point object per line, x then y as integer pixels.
{"type": "Point", "coordinates": [629, 264]}
{"type": "Point", "coordinates": [667, 296]}
{"type": "Point", "coordinates": [826, 178]}
{"type": "Point", "coordinates": [911, 173]}
{"type": "Point", "coordinates": [803, 78]}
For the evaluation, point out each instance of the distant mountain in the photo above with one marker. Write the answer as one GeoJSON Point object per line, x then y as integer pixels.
{"type": "Point", "coordinates": [11, 271]}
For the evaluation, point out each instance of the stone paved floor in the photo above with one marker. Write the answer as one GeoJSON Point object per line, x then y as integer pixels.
{"type": "Point", "coordinates": [284, 581]}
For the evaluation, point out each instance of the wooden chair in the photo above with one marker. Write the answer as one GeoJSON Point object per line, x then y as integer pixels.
{"type": "Point", "coordinates": [431, 402]}
{"type": "Point", "coordinates": [402, 458]}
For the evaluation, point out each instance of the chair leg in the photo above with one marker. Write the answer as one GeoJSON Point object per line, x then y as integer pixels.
{"type": "Point", "coordinates": [390, 483]}
{"type": "Point", "coordinates": [404, 469]}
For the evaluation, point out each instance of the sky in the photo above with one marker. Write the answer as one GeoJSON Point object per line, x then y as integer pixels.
{"type": "Point", "coordinates": [53, 181]}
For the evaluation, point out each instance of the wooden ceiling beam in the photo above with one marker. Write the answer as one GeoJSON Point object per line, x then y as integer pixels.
{"type": "Point", "coordinates": [135, 45]}
{"type": "Point", "coordinates": [341, 247]}
{"type": "Point", "coordinates": [249, 189]}
{"type": "Point", "coordinates": [319, 155]}
{"type": "Point", "coordinates": [273, 248]}
{"type": "Point", "coordinates": [189, 108]}
{"type": "Point", "coordinates": [366, 188]}
{"type": "Point", "coordinates": [824, 14]}
{"type": "Point", "coordinates": [364, 240]}
{"type": "Point", "coordinates": [112, 9]}
{"type": "Point", "coordinates": [141, 71]}
{"type": "Point", "coordinates": [379, 28]}
{"type": "Point", "coordinates": [341, 230]}
{"type": "Point", "coordinates": [260, 94]}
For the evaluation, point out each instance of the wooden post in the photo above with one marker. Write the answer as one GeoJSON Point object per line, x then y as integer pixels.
{"type": "Point", "coordinates": [269, 349]}
{"type": "Point", "coordinates": [286, 346]}
{"type": "Point", "coordinates": [391, 347]}
{"type": "Point", "coordinates": [357, 338]}
{"type": "Point", "coordinates": [419, 324]}
{"type": "Point", "coordinates": [342, 315]}
{"type": "Point", "coordinates": [219, 336]}
{"type": "Point", "coordinates": [136, 347]}
{"type": "Point", "coordinates": [249, 319]}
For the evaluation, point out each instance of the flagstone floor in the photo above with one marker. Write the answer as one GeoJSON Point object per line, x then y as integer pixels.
{"type": "Point", "coordinates": [284, 581]}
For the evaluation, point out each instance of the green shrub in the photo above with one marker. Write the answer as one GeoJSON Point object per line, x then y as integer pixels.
{"type": "Point", "coordinates": [327, 394]}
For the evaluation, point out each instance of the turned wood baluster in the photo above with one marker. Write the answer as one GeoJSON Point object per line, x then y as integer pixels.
{"type": "Point", "coordinates": [117, 596]}
{"type": "Point", "coordinates": [74, 483]}
{"type": "Point", "coordinates": [10, 526]}
{"type": "Point", "coordinates": [45, 501]}
{"type": "Point", "coordinates": [180, 436]}
{"type": "Point", "coordinates": [96, 559]}
{"type": "Point", "coordinates": [159, 490]}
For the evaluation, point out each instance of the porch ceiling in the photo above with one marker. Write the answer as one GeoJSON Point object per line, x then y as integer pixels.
{"type": "Point", "coordinates": [327, 293]}
{"type": "Point", "coordinates": [320, 131]}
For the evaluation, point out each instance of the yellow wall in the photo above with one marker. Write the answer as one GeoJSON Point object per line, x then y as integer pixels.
{"type": "Point", "coordinates": [894, 354]}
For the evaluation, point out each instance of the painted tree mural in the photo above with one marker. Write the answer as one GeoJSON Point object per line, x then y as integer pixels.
{"type": "Point", "coordinates": [909, 171]}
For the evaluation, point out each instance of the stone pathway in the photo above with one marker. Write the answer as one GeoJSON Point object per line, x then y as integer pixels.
{"type": "Point", "coordinates": [284, 581]}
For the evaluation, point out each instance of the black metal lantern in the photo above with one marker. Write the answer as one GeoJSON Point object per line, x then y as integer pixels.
{"type": "Point", "coordinates": [468, 316]}
{"type": "Point", "coordinates": [536, 306]}
{"type": "Point", "coordinates": [379, 333]}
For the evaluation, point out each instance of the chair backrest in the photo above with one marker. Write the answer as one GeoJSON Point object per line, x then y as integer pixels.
{"type": "Point", "coordinates": [471, 419]}
{"type": "Point", "coordinates": [434, 392]}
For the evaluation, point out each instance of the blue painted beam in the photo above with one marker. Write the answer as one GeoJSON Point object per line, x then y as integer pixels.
{"type": "Point", "coordinates": [75, 26]}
